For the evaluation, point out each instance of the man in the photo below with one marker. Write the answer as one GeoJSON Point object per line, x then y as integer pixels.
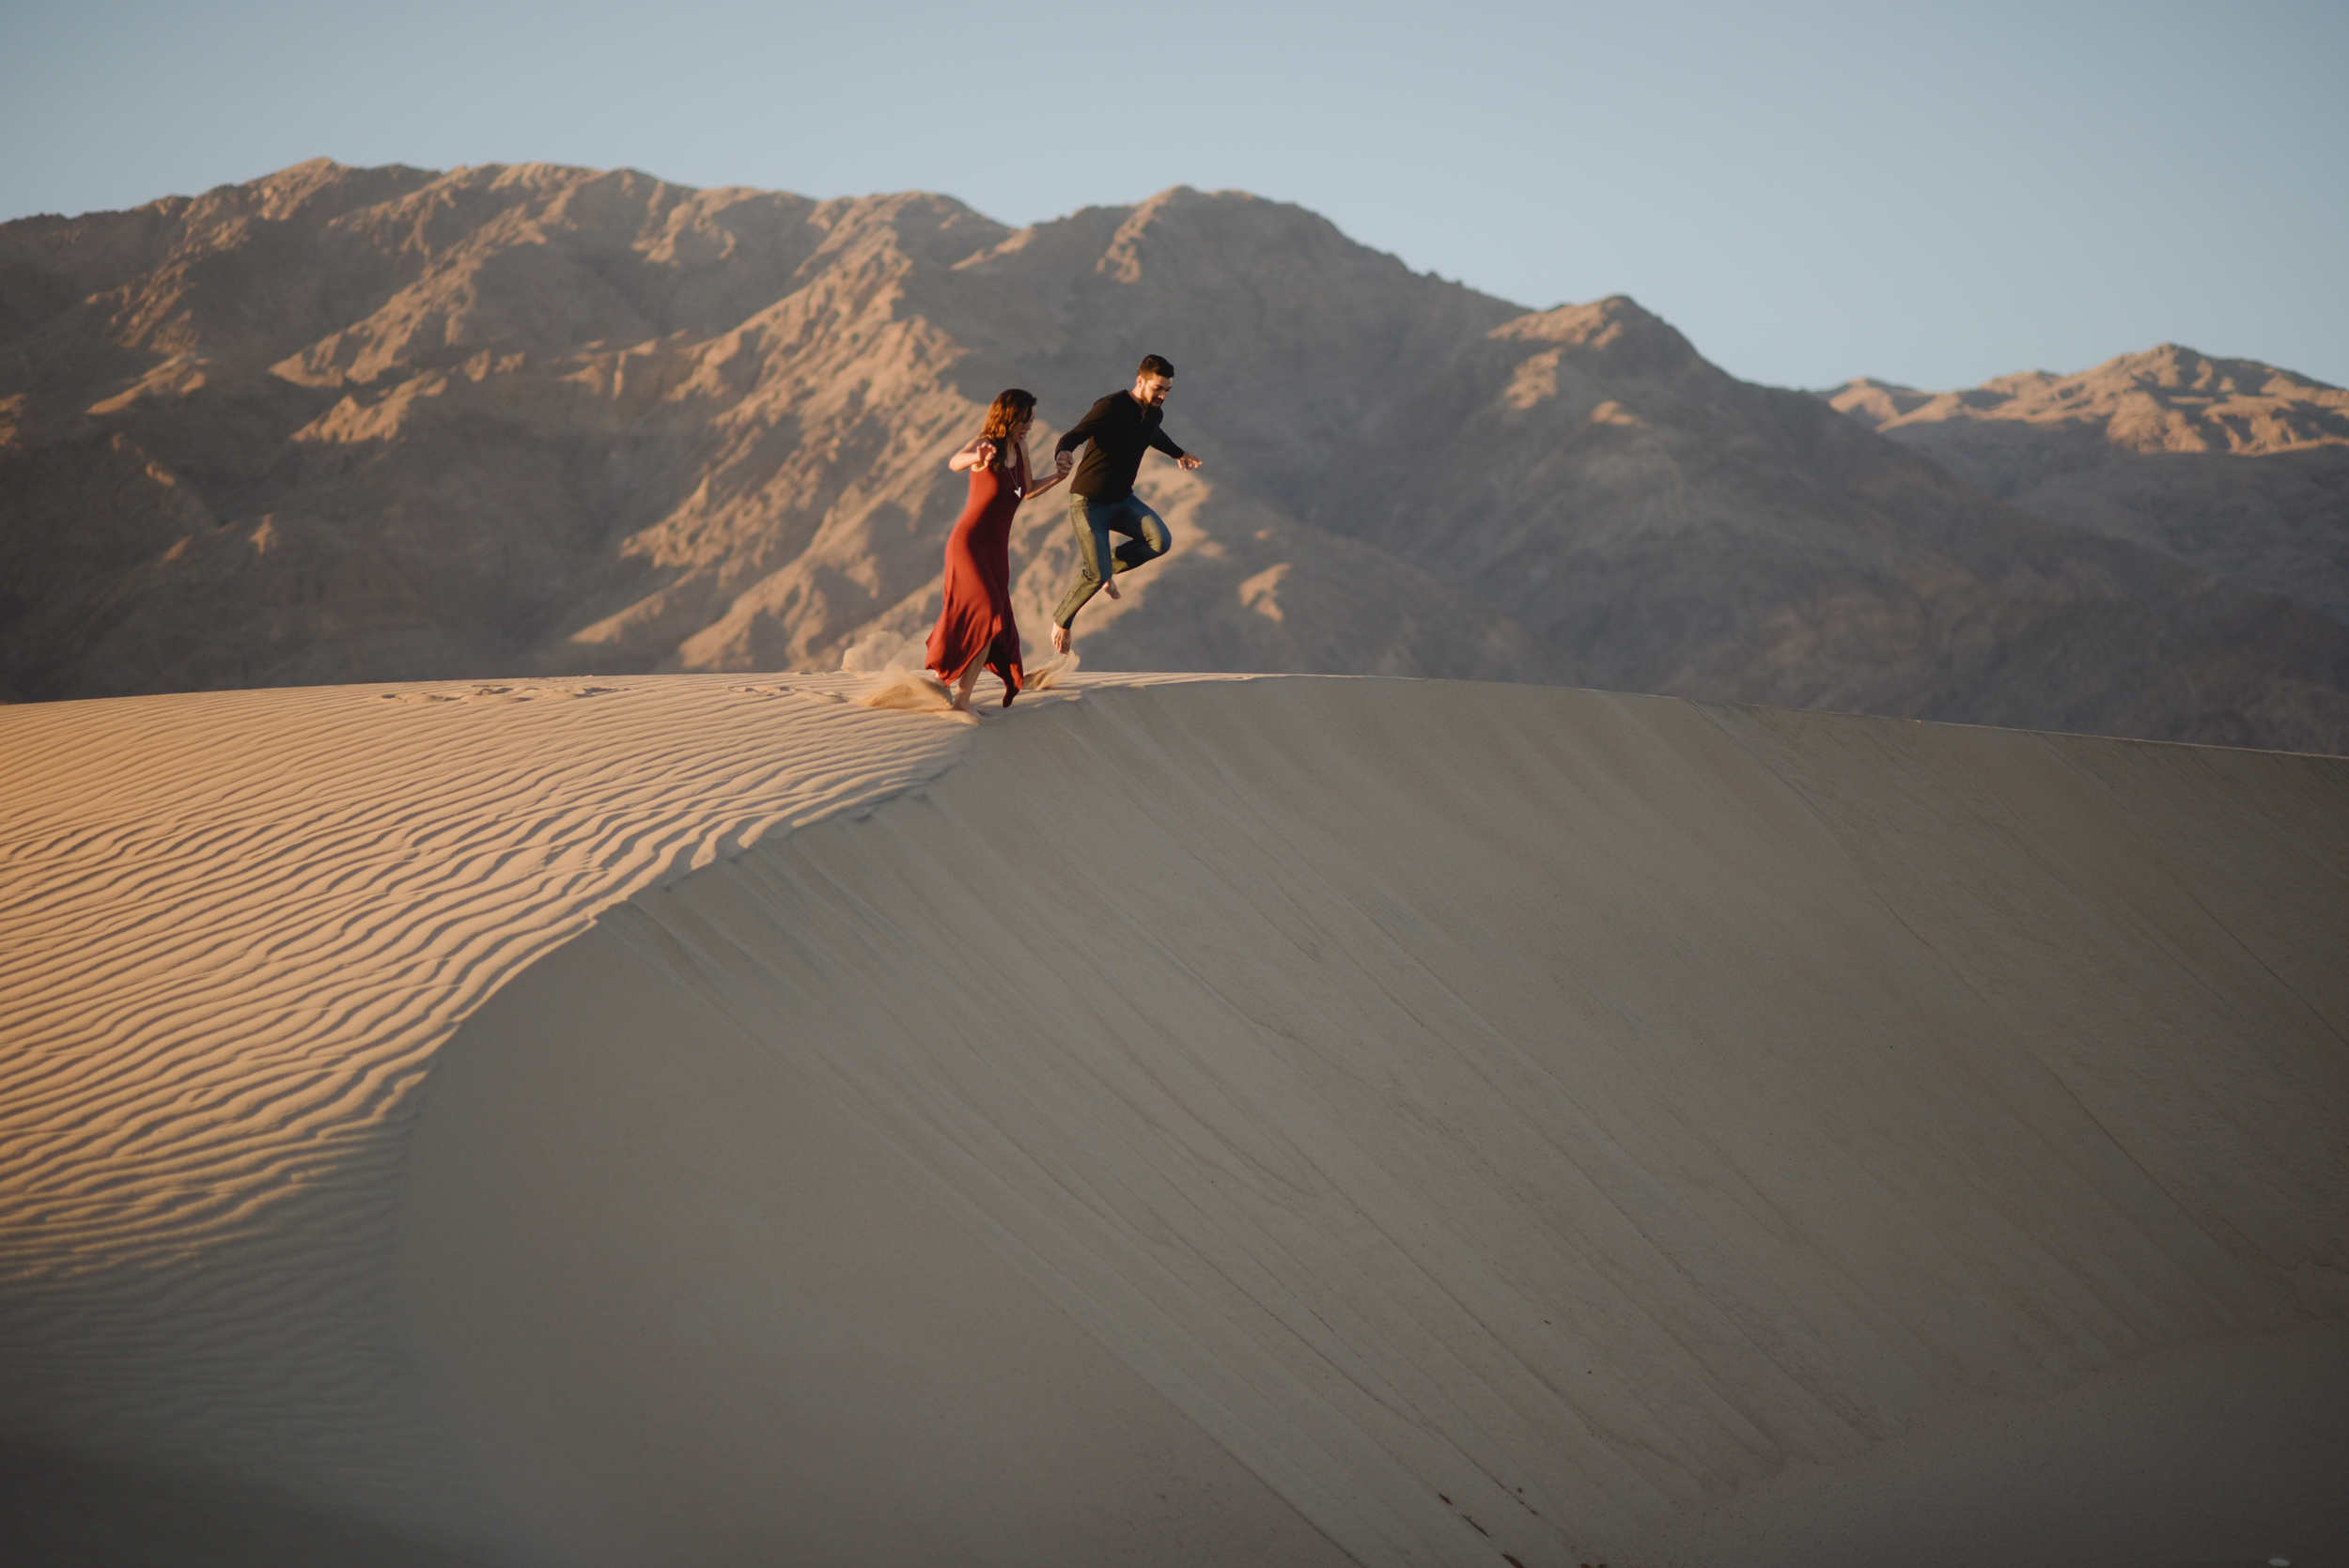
{"type": "Point", "coordinates": [1101, 499]}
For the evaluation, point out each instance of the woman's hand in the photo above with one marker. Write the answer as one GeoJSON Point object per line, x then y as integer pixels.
{"type": "Point", "coordinates": [976, 453]}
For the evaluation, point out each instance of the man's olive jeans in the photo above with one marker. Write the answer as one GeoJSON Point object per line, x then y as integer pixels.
{"type": "Point", "coordinates": [1093, 522]}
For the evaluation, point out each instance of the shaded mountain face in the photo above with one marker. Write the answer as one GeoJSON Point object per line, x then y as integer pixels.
{"type": "Point", "coordinates": [1672, 529]}
{"type": "Point", "coordinates": [2230, 465]}
{"type": "Point", "coordinates": [341, 424]}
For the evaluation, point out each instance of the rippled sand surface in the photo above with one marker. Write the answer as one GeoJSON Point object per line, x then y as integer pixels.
{"type": "Point", "coordinates": [1288, 1119]}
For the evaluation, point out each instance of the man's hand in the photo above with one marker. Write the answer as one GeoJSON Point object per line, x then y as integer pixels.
{"type": "Point", "coordinates": [1063, 463]}
{"type": "Point", "coordinates": [1186, 462]}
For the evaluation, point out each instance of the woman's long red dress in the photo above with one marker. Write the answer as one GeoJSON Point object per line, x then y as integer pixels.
{"type": "Point", "coordinates": [976, 621]}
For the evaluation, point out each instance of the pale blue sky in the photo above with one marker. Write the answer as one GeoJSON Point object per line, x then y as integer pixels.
{"type": "Point", "coordinates": [1935, 195]}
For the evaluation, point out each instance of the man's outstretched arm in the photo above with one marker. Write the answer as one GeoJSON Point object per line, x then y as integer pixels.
{"type": "Point", "coordinates": [1159, 439]}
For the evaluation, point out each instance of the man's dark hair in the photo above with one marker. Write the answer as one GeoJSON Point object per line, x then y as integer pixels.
{"type": "Point", "coordinates": [1152, 366]}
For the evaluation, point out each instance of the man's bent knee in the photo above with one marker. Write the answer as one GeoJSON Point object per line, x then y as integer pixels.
{"type": "Point", "coordinates": [1149, 528]}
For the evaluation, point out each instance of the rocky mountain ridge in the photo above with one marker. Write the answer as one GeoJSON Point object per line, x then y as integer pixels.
{"type": "Point", "coordinates": [2233, 467]}
{"type": "Point", "coordinates": [368, 425]}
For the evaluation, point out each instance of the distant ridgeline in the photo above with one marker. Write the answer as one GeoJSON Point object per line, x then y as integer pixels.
{"type": "Point", "coordinates": [2149, 447]}
{"type": "Point", "coordinates": [344, 425]}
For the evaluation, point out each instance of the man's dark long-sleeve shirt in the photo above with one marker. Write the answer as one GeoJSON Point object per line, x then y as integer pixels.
{"type": "Point", "coordinates": [1121, 430]}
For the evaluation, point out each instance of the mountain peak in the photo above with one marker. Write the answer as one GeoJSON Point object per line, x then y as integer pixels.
{"type": "Point", "coordinates": [1230, 231]}
{"type": "Point", "coordinates": [2174, 368]}
{"type": "Point", "coordinates": [1631, 338]}
{"type": "Point", "coordinates": [2166, 398]}
{"type": "Point", "coordinates": [1876, 403]}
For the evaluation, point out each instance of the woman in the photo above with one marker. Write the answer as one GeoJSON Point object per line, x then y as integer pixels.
{"type": "Point", "coordinates": [976, 627]}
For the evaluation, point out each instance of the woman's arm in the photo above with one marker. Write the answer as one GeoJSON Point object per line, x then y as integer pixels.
{"type": "Point", "coordinates": [1035, 489]}
{"type": "Point", "coordinates": [977, 451]}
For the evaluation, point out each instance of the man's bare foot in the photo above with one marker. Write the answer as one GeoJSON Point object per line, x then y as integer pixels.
{"type": "Point", "coordinates": [1061, 639]}
{"type": "Point", "coordinates": [1110, 588]}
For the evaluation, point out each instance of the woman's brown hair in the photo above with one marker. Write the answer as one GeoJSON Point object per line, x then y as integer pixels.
{"type": "Point", "coordinates": [1010, 407]}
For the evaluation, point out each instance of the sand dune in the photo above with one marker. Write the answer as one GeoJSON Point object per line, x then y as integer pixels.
{"type": "Point", "coordinates": [238, 928]}
{"type": "Point", "coordinates": [1281, 1120]}
{"type": "Point", "coordinates": [291, 907]}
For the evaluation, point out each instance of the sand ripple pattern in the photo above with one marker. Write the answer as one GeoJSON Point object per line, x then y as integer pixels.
{"type": "Point", "coordinates": [239, 924]}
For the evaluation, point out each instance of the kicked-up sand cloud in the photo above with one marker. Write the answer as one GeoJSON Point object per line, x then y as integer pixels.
{"type": "Point", "coordinates": [703, 1119]}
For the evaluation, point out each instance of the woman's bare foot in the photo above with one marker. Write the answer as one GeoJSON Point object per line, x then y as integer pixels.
{"type": "Point", "coordinates": [958, 699]}
{"type": "Point", "coordinates": [1061, 638]}
{"type": "Point", "coordinates": [1109, 588]}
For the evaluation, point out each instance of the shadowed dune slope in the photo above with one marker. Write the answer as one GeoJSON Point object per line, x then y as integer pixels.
{"type": "Point", "coordinates": [1297, 1119]}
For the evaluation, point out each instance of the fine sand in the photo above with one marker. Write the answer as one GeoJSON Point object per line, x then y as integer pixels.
{"type": "Point", "coordinates": [1284, 1121]}
{"type": "Point", "coordinates": [238, 928]}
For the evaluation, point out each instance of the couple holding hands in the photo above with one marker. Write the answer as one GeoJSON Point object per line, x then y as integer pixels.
{"type": "Point", "coordinates": [976, 628]}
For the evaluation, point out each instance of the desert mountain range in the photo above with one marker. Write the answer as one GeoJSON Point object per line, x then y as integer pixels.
{"type": "Point", "coordinates": [343, 424]}
{"type": "Point", "coordinates": [2234, 466]}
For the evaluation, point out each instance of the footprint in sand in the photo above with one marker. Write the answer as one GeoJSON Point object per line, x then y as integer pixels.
{"type": "Point", "coordinates": [500, 693]}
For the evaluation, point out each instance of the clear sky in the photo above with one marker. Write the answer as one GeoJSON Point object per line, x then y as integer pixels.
{"type": "Point", "coordinates": [1935, 195]}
